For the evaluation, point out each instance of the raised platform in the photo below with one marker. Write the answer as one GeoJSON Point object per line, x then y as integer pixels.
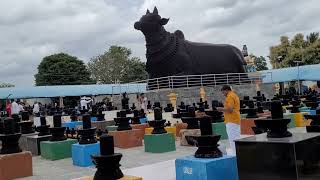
{"type": "Point", "coordinates": [112, 128]}
{"type": "Point", "coordinates": [191, 168]}
{"type": "Point", "coordinates": [170, 129]}
{"type": "Point", "coordinates": [123, 178]}
{"type": "Point", "coordinates": [81, 153]}
{"type": "Point", "coordinates": [23, 140]}
{"type": "Point", "coordinates": [300, 121]}
{"type": "Point", "coordinates": [72, 124]}
{"type": "Point", "coordinates": [292, 123]}
{"type": "Point", "coordinates": [15, 165]}
{"type": "Point", "coordinates": [101, 124]}
{"type": "Point", "coordinates": [179, 127]}
{"type": "Point", "coordinates": [33, 143]}
{"type": "Point", "coordinates": [188, 132]}
{"type": "Point", "coordinates": [141, 127]}
{"type": "Point", "coordinates": [262, 158]}
{"type": "Point", "coordinates": [220, 129]}
{"type": "Point", "coordinates": [246, 126]}
{"type": "Point", "coordinates": [54, 150]}
{"type": "Point", "coordinates": [159, 143]}
{"type": "Point", "coordinates": [127, 139]}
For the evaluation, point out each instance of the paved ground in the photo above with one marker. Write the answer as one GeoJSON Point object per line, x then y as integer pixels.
{"type": "Point", "coordinates": [134, 162]}
{"type": "Point", "coordinates": [132, 158]}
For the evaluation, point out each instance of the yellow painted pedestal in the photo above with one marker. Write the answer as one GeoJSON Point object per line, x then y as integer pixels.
{"type": "Point", "coordinates": [300, 121]}
{"type": "Point", "coordinates": [123, 178]}
{"type": "Point", "coordinates": [168, 129]}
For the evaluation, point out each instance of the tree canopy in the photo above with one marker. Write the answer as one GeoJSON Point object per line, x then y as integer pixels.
{"type": "Point", "coordinates": [306, 50]}
{"type": "Point", "coordinates": [62, 69]}
{"type": "Point", "coordinates": [259, 62]}
{"type": "Point", "coordinates": [6, 85]}
{"type": "Point", "coordinates": [117, 65]}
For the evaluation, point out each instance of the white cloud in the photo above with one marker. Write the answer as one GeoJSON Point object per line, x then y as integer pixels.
{"type": "Point", "coordinates": [33, 29]}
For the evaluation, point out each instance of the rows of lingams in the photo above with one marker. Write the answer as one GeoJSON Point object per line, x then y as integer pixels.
{"type": "Point", "coordinates": [80, 133]}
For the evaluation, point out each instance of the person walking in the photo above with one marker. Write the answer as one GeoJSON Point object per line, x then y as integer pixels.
{"type": "Point", "coordinates": [232, 117]}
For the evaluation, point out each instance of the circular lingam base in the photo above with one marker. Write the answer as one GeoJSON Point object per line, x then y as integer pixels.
{"type": "Point", "coordinates": [57, 134]}
{"type": "Point", "coordinates": [87, 136]}
{"type": "Point", "coordinates": [108, 166]}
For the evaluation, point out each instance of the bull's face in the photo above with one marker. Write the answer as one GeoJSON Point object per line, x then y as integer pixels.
{"type": "Point", "coordinates": [150, 22]}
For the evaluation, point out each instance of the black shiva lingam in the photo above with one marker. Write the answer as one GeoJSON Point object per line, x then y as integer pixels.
{"type": "Point", "coordinates": [169, 108]}
{"type": "Point", "coordinates": [26, 125]}
{"type": "Point", "coordinates": [191, 119]}
{"type": "Point", "coordinates": [207, 143]}
{"type": "Point", "coordinates": [216, 115]}
{"type": "Point", "coordinates": [158, 122]}
{"type": "Point", "coordinates": [108, 163]}
{"type": "Point", "coordinates": [57, 131]}
{"type": "Point", "coordinates": [9, 138]}
{"type": "Point", "coordinates": [43, 129]}
{"type": "Point", "coordinates": [136, 117]}
{"type": "Point", "coordinates": [276, 126]}
{"type": "Point", "coordinates": [87, 133]}
{"type": "Point", "coordinates": [122, 121]}
{"type": "Point", "coordinates": [252, 111]}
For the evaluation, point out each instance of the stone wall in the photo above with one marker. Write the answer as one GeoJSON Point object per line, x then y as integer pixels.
{"type": "Point", "coordinates": [192, 95]}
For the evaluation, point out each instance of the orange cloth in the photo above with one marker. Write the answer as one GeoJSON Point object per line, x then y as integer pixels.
{"type": "Point", "coordinates": [232, 101]}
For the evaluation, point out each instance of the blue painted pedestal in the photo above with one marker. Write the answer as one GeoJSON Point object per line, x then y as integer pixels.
{"type": "Point", "coordinates": [143, 120]}
{"type": "Point", "coordinates": [191, 168]}
{"type": "Point", "coordinates": [81, 153]}
{"type": "Point", "coordinates": [72, 124]}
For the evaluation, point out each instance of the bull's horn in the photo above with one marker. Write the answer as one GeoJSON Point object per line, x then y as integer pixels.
{"type": "Point", "coordinates": [148, 12]}
{"type": "Point", "coordinates": [155, 10]}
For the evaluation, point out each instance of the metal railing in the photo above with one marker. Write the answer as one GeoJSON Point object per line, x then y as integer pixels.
{"type": "Point", "coordinates": [171, 82]}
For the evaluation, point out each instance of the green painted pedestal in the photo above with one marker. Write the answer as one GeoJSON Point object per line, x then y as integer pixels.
{"type": "Point", "coordinates": [159, 143]}
{"type": "Point", "coordinates": [55, 150]}
{"type": "Point", "coordinates": [112, 128]}
{"type": "Point", "coordinates": [220, 129]}
{"type": "Point", "coordinates": [290, 116]}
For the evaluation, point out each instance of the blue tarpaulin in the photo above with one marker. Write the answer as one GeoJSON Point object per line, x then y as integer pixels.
{"type": "Point", "coordinates": [303, 73]}
{"type": "Point", "coordinates": [70, 90]}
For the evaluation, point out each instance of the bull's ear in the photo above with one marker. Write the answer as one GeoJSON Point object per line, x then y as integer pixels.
{"type": "Point", "coordinates": [164, 21]}
{"type": "Point", "coordinates": [137, 25]}
{"type": "Point", "coordinates": [155, 10]}
{"type": "Point", "coordinates": [148, 12]}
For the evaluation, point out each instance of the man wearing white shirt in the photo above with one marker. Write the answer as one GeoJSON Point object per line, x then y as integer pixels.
{"type": "Point", "coordinates": [36, 108]}
{"type": "Point", "coordinates": [15, 109]}
{"type": "Point", "coordinates": [84, 103]}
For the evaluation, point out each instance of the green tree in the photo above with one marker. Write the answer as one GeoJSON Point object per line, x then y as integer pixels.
{"type": "Point", "coordinates": [116, 65]}
{"type": "Point", "coordinates": [260, 62]}
{"type": "Point", "coordinates": [62, 69]}
{"type": "Point", "coordinates": [6, 85]}
{"type": "Point", "coordinates": [299, 48]}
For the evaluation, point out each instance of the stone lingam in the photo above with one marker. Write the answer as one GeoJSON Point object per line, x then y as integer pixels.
{"type": "Point", "coordinates": [43, 129]}
{"type": "Point", "coordinates": [158, 123]}
{"type": "Point", "coordinates": [57, 131]}
{"type": "Point", "coordinates": [136, 117]}
{"type": "Point", "coordinates": [108, 162]}
{"type": "Point", "coordinates": [9, 138]}
{"type": "Point", "coordinates": [201, 105]}
{"type": "Point", "coordinates": [295, 102]}
{"type": "Point", "coordinates": [122, 121]}
{"type": "Point", "coordinates": [259, 107]}
{"type": "Point", "coordinates": [26, 126]}
{"type": "Point", "coordinates": [207, 143]}
{"type": "Point", "coordinates": [251, 111]}
{"type": "Point", "coordinates": [87, 133]}
{"type": "Point", "coordinates": [216, 115]}
{"type": "Point", "coordinates": [169, 108]}
{"type": "Point", "coordinates": [191, 119]}
{"type": "Point", "coordinates": [100, 115]}
{"type": "Point", "coordinates": [276, 126]}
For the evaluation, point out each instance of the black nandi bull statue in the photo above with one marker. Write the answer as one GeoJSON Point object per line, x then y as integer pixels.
{"type": "Point", "coordinates": [170, 54]}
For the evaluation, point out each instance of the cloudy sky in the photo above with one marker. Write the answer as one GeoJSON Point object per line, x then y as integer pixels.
{"type": "Point", "coordinates": [33, 29]}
